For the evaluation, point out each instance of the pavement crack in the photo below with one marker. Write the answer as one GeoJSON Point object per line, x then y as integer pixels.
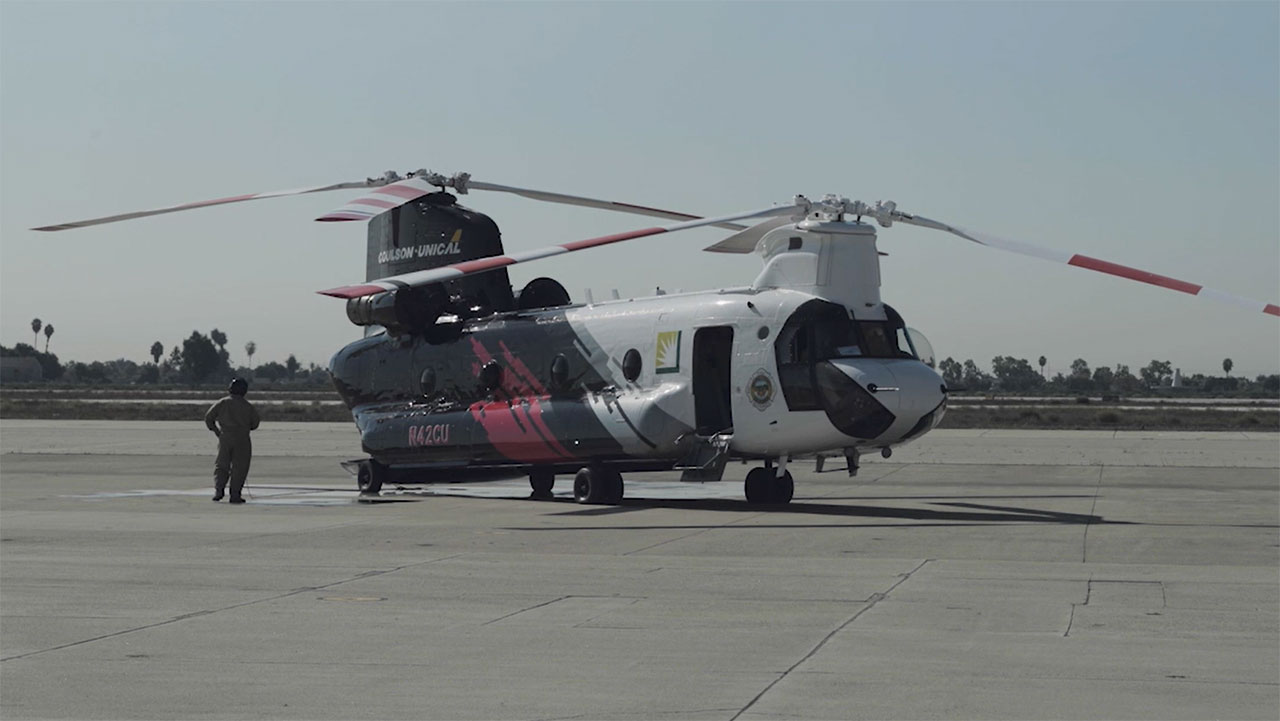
{"type": "Point", "coordinates": [530, 608]}
{"type": "Point", "coordinates": [871, 602]}
{"type": "Point", "coordinates": [209, 611]}
{"type": "Point", "coordinates": [1084, 544]}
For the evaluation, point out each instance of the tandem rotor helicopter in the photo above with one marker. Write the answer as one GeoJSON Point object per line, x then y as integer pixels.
{"type": "Point", "coordinates": [458, 376]}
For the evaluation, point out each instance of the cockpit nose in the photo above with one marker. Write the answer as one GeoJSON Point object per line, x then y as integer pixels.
{"type": "Point", "coordinates": [880, 399]}
{"type": "Point", "coordinates": [922, 398]}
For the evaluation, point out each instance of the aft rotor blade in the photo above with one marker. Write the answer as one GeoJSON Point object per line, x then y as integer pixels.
{"type": "Point", "coordinates": [745, 241]}
{"type": "Point", "coordinates": [207, 203]}
{"type": "Point", "coordinates": [480, 265]}
{"type": "Point", "coordinates": [1090, 263]}
{"type": "Point", "coordinates": [594, 203]}
{"type": "Point", "coordinates": [397, 194]}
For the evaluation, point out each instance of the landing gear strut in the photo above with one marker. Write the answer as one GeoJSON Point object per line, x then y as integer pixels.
{"type": "Point", "coordinates": [764, 485]}
{"type": "Point", "coordinates": [597, 484]}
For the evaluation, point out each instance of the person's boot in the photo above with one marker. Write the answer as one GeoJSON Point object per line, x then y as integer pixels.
{"type": "Point", "coordinates": [236, 499]}
{"type": "Point", "coordinates": [217, 494]}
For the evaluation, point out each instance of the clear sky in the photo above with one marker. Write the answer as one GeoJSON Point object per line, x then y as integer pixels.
{"type": "Point", "coordinates": [1146, 134]}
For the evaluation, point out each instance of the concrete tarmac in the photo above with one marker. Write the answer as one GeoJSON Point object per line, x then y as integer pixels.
{"type": "Point", "coordinates": [976, 574]}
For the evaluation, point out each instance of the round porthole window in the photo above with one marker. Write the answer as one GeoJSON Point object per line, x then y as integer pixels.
{"type": "Point", "coordinates": [763, 332]}
{"type": "Point", "coordinates": [631, 365]}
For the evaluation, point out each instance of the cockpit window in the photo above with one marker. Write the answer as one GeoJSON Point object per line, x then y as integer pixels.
{"type": "Point", "coordinates": [881, 340]}
{"type": "Point", "coordinates": [819, 331]}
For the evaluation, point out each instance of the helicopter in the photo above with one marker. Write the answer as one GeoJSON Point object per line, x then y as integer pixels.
{"type": "Point", "coordinates": [458, 376]}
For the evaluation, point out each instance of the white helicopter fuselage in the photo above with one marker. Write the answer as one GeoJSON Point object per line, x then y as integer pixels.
{"type": "Point", "coordinates": [779, 368]}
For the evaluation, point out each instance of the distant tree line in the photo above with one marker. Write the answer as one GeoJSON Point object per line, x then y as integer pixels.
{"type": "Point", "coordinates": [203, 359]}
{"type": "Point", "coordinates": [1016, 375]}
{"type": "Point", "coordinates": [198, 360]}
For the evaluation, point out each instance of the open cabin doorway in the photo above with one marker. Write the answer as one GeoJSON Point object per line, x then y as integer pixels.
{"type": "Point", "coordinates": [712, 356]}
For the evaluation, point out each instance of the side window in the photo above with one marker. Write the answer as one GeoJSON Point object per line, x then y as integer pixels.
{"type": "Point", "coordinates": [793, 345]}
{"type": "Point", "coordinates": [631, 365]}
{"type": "Point", "coordinates": [904, 343]}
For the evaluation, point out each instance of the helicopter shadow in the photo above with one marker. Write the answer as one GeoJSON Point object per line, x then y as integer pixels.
{"type": "Point", "coordinates": [952, 513]}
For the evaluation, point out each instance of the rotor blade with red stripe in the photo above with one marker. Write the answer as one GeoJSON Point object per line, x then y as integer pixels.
{"type": "Point", "coordinates": [1090, 263]}
{"type": "Point", "coordinates": [207, 203]}
{"type": "Point", "coordinates": [396, 194]}
{"type": "Point", "coordinates": [380, 200]}
{"type": "Point", "coordinates": [458, 270]}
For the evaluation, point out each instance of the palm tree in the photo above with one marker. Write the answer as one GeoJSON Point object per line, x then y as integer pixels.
{"type": "Point", "coordinates": [157, 350]}
{"type": "Point", "coordinates": [35, 328]}
{"type": "Point", "coordinates": [250, 348]}
{"type": "Point", "coordinates": [1226, 366]}
{"type": "Point", "coordinates": [1043, 360]}
{"type": "Point", "coordinates": [218, 337]}
{"type": "Point", "coordinates": [48, 333]}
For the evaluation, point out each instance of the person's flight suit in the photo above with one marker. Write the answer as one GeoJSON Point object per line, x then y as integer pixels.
{"type": "Point", "coordinates": [237, 417]}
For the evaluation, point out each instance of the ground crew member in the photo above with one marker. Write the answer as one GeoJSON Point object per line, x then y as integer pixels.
{"type": "Point", "coordinates": [237, 417]}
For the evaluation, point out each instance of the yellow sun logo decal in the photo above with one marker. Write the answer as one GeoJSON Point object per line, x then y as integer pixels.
{"type": "Point", "coordinates": [667, 358]}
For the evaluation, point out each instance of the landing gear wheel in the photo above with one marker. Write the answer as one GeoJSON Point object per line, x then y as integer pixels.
{"type": "Point", "coordinates": [757, 485]}
{"type": "Point", "coordinates": [542, 480]}
{"type": "Point", "coordinates": [595, 484]}
{"type": "Point", "coordinates": [370, 476]}
{"type": "Point", "coordinates": [762, 486]}
{"type": "Point", "coordinates": [783, 489]}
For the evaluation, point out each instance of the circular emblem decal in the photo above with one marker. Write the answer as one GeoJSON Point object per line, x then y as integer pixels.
{"type": "Point", "coordinates": [760, 390]}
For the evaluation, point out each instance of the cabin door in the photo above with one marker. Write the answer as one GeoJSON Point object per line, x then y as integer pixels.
{"type": "Point", "coordinates": [712, 353]}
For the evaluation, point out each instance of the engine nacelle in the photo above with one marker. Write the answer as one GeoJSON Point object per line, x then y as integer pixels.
{"type": "Point", "coordinates": [408, 310]}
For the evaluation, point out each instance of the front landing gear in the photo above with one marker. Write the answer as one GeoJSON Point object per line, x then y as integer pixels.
{"type": "Point", "coordinates": [763, 485]}
{"type": "Point", "coordinates": [597, 484]}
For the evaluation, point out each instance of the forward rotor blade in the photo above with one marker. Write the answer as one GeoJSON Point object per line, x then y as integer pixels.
{"type": "Point", "coordinates": [1090, 263]}
{"type": "Point", "coordinates": [207, 203]}
{"type": "Point", "coordinates": [745, 241]}
{"type": "Point", "coordinates": [458, 270]}
{"type": "Point", "coordinates": [397, 194]}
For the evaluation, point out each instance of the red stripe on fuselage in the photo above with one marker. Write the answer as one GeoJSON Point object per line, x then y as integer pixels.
{"type": "Point", "coordinates": [1124, 271]}
{"type": "Point", "coordinates": [517, 432]}
{"type": "Point", "coordinates": [1272, 308]}
{"type": "Point", "coordinates": [510, 431]}
{"type": "Point", "coordinates": [518, 368]}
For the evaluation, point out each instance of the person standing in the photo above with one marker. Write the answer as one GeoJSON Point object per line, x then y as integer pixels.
{"type": "Point", "coordinates": [231, 419]}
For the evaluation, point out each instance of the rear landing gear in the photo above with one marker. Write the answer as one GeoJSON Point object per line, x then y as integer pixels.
{"type": "Point", "coordinates": [597, 484]}
{"type": "Point", "coordinates": [763, 485]}
{"type": "Point", "coordinates": [542, 480]}
{"type": "Point", "coordinates": [370, 477]}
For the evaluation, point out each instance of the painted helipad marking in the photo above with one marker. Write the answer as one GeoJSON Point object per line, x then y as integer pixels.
{"type": "Point", "coordinates": [338, 495]}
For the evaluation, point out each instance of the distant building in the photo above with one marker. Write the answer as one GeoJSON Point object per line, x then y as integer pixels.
{"type": "Point", "coordinates": [1177, 378]}
{"type": "Point", "coordinates": [20, 369]}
